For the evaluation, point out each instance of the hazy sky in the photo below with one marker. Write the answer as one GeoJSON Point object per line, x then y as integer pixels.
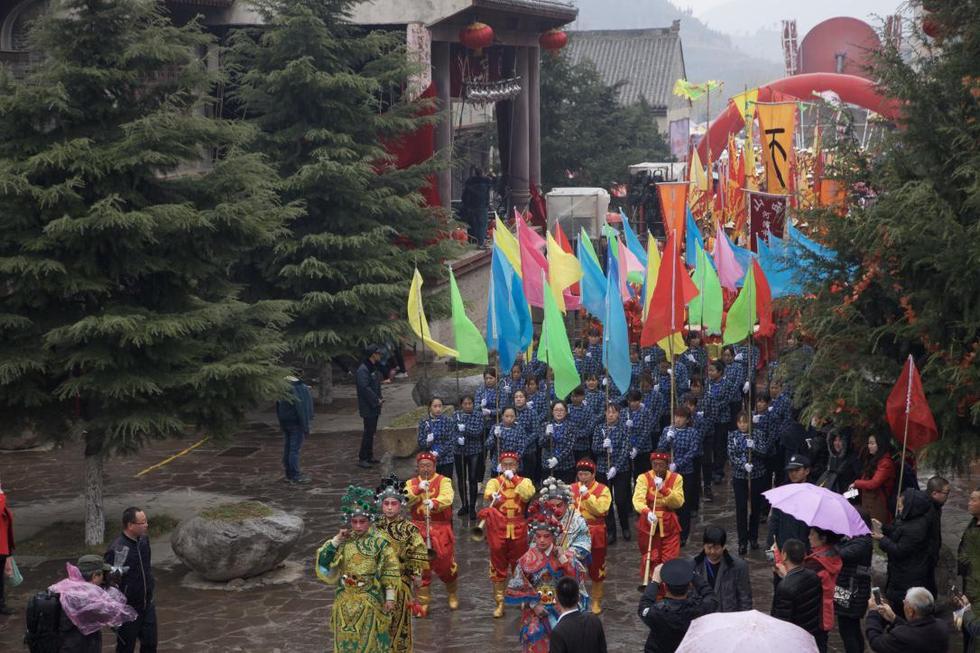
{"type": "Point", "coordinates": [742, 15]}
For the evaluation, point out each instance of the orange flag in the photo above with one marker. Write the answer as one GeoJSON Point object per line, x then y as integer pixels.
{"type": "Point", "coordinates": [674, 291]}
{"type": "Point", "coordinates": [777, 123]}
{"type": "Point", "coordinates": [673, 202]}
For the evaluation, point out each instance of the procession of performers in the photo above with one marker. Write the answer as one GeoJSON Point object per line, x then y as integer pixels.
{"type": "Point", "coordinates": [627, 451]}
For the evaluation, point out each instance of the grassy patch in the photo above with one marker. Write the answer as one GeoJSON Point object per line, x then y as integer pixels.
{"type": "Point", "coordinates": [67, 539]}
{"type": "Point", "coordinates": [237, 511]}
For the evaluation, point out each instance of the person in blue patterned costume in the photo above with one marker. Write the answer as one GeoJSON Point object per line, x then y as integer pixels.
{"type": "Point", "coordinates": [469, 447]}
{"type": "Point", "coordinates": [557, 442]}
{"type": "Point", "coordinates": [637, 420]}
{"type": "Point", "coordinates": [684, 443]}
{"type": "Point", "coordinates": [583, 422]}
{"type": "Point", "coordinates": [610, 444]}
{"type": "Point", "coordinates": [511, 437]}
{"type": "Point", "coordinates": [438, 435]}
{"type": "Point", "coordinates": [747, 480]}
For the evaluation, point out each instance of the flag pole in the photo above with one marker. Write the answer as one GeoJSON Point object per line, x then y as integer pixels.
{"type": "Point", "coordinates": [670, 336]}
{"type": "Point", "coordinates": [748, 478]}
{"type": "Point", "coordinates": [905, 433]}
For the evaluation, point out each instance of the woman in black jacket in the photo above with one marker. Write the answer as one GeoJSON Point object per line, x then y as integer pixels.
{"type": "Point", "coordinates": [853, 587]}
{"type": "Point", "coordinates": [906, 543]}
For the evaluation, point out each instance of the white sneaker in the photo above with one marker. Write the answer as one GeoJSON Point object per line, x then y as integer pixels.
{"type": "Point", "coordinates": [401, 375]}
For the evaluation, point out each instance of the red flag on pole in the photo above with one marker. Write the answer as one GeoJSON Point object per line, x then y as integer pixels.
{"type": "Point", "coordinates": [674, 290]}
{"type": "Point", "coordinates": [763, 301]}
{"type": "Point", "coordinates": [907, 408]}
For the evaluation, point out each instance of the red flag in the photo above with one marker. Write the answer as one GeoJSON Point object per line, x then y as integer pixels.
{"type": "Point", "coordinates": [907, 405]}
{"type": "Point", "coordinates": [763, 301]}
{"type": "Point", "coordinates": [674, 290]}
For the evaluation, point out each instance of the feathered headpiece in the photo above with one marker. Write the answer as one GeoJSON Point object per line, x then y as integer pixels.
{"type": "Point", "coordinates": [358, 501]}
{"type": "Point", "coordinates": [552, 488]}
{"type": "Point", "coordinates": [540, 517]}
{"type": "Point", "coordinates": [391, 488]}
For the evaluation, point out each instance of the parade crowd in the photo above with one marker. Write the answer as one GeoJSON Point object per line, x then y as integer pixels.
{"type": "Point", "coordinates": [551, 482]}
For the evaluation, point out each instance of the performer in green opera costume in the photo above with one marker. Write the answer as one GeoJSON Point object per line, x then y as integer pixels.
{"type": "Point", "coordinates": [364, 566]}
{"type": "Point", "coordinates": [404, 536]}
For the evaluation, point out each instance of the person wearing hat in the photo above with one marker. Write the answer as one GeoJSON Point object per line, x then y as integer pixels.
{"type": "Point", "coordinates": [369, 401]}
{"type": "Point", "coordinates": [686, 597]}
{"type": "Point", "coordinates": [659, 493]}
{"type": "Point", "coordinates": [295, 416]}
{"type": "Point", "coordinates": [430, 502]}
{"type": "Point", "coordinates": [783, 527]}
{"type": "Point", "coordinates": [507, 496]}
{"type": "Point", "coordinates": [92, 569]}
{"type": "Point", "coordinates": [532, 586]}
{"type": "Point", "coordinates": [557, 496]}
{"type": "Point", "coordinates": [592, 500]}
{"type": "Point", "coordinates": [413, 560]}
{"type": "Point", "coordinates": [363, 566]}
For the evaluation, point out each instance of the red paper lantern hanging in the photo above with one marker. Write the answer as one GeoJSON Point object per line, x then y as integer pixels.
{"type": "Point", "coordinates": [553, 40]}
{"type": "Point", "coordinates": [932, 27]}
{"type": "Point", "coordinates": [476, 36]}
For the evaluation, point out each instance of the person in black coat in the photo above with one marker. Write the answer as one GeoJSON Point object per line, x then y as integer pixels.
{"type": "Point", "coordinates": [687, 597]}
{"type": "Point", "coordinates": [576, 631]}
{"type": "Point", "coordinates": [906, 542]}
{"type": "Point", "coordinates": [783, 527]}
{"type": "Point", "coordinates": [840, 469]}
{"type": "Point", "coordinates": [129, 557]}
{"type": "Point", "coordinates": [798, 598]}
{"type": "Point", "coordinates": [727, 575]}
{"type": "Point", "coordinates": [919, 631]}
{"type": "Point", "coordinates": [853, 588]}
{"type": "Point", "coordinates": [369, 401]}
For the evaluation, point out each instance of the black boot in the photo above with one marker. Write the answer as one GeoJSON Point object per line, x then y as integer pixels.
{"type": "Point", "coordinates": [708, 494]}
{"type": "Point", "coordinates": [463, 509]}
{"type": "Point", "coordinates": [610, 537]}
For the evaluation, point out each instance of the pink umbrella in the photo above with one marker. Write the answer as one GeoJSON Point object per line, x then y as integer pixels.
{"type": "Point", "coordinates": [819, 507]}
{"type": "Point", "coordinates": [745, 632]}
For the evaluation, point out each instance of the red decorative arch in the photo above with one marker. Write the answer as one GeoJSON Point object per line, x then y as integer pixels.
{"type": "Point", "coordinates": [851, 89]}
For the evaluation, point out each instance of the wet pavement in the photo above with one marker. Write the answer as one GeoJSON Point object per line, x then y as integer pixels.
{"type": "Point", "coordinates": [295, 617]}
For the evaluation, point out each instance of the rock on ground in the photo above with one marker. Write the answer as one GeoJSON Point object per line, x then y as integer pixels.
{"type": "Point", "coordinates": [444, 387]}
{"type": "Point", "coordinates": [222, 550]}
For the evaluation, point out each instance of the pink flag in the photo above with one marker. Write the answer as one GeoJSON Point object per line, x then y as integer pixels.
{"type": "Point", "coordinates": [729, 271]}
{"type": "Point", "coordinates": [627, 263]}
{"type": "Point", "coordinates": [534, 266]}
{"type": "Point", "coordinates": [535, 239]}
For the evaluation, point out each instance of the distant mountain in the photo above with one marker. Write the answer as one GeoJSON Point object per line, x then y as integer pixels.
{"type": "Point", "coordinates": [749, 16]}
{"type": "Point", "coordinates": [708, 54]}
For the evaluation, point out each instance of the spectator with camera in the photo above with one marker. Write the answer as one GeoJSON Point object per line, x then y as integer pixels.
{"type": "Point", "coordinates": [917, 630]}
{"type": "Point", "coordinates": [129, 556]}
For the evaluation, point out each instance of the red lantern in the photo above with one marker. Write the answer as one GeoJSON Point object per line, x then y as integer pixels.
{"type": "Point", "coordinates": [932, 27]}
{"type": "Point", "coordinates": [476, 36]}
{"type": "Point", "coordinates": [553, 40]}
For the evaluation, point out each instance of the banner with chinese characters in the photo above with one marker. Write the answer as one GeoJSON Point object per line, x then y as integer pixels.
{"type": "Point", "coordinates": [777, 124]}
{"type": "Point", "coordinates": [680, 138]}
{"type": "Point", "coordinates": [767, 214]}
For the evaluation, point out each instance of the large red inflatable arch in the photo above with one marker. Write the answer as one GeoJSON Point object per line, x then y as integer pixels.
{"type": "Point", "coordinates": [851, 89]}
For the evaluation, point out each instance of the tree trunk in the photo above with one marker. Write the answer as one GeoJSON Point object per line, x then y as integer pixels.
{"type": "Point", "coordinates": [94, 512]}
{"type": "Point", "coordinates": [326, 384]}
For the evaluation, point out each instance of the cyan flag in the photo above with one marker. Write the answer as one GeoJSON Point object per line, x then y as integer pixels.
{"type": "Point", "coordinates": [593, 282]}
{"type": "Point", "coordinates": [632, 242]}
{"type": "Point", "coordinates": [508, 317]}
{"type": "Point", "coordinates": [774, 266]}
{"type": "Point", "coordinates": [616, 346]}
{"type": "Point", "coordinates": [692, 235]}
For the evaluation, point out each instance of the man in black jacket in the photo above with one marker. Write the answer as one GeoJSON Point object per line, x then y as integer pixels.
{"type": "Point", "coordinates": [727, 576]}
{"type": "Point", "coordinates": [576, 631]}
{"type": "Point", "coordinates": [687, 597]}
{"type": "Point", "coordinates": [919, 631]}
{"type": "Point", "coordinates": [798, 598]}
{"type": "Point", "coordinates": [129, 556]}
{"type": "Point", "coordinates": [369, 401]}
{"type": "Point", "coordinates": [783, 527]}
{"type": "Point", "coordinates": [937, 488]}
{"type": "Point", "coordinates": [906, 542]}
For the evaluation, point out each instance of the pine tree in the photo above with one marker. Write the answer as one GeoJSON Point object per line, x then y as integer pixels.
{"type": "Point", "coordinates": [118, 230]}
{"type": "Point", "coordinates": [907, 278]}
{"type": "Point", "coordinates": [325, 96]}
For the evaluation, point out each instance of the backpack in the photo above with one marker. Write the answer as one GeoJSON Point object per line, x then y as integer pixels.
{"type": "Point", "coordinates": [43, 623]}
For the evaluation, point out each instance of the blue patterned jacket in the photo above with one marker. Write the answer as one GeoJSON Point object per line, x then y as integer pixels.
{"type": "Point", "coordinates": [559, 444]}
{"type": "Point", "coordinates": [444, 434]}
{"type": "Point", "coordinates": [686, 446]}
{"type": "Point", "coordinates": [620, 455]}
{"type": "Point", "coordinates": [583, 422]}
{"type": "Point", "coordinates": [738, 454]}
{"type": "Point", "coordinates": [639, 425]}
{"type": "Point", "coordinates": [512, 438]}
{"type": "Point", "coordinates": [485, 397]}
{"type": "Point", "coordinates": [472, 432]}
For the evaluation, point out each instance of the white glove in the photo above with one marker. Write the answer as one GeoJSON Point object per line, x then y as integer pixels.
{"type": "Point", "coordinates": [486, 412]}
{"type": "Point", "coordinates": [648, 358]}
{"type": "Point", "coordinates": [629, 423]}
{"type": "Point", "coordinates": [769, 410]}
{"type": "Point", "coordinates": [633, 453]}
{"type": "Point", "coordinates": [461, 440]}
{"type": "Point", "coordinates": [671, 433]}
{"type": "Point", "coordinates": [691, 358]}
{"type": "Point", "coordinates": [583, 490]}
{"type": "Point", "coordinates": [748, 467]}
{"type": "Point", "coordinates": [746, 387]}
{"type": "Point", "coordinates": [552, 462]}
{"type": "Point", "coordinates": [605, 382]}
{"type": "Point", "coordinates": [530, 404]}
{"type": "Point", "coordinates": [749, 443]}
{"type": "Point", "coordinates": [756, 419]}
{"type": "Point", "coordinates": [740, 356]}
{"type": "Point", "coordinates": [429, 439]}
{"type": "Point", "coordinates": [670, 371]}
{"type": "Point", "coordinates": [658, 481]}
{"type": "Point", "coordinates": [496, 430]}
{"type": "Point", "coordinates": [461, 427]}
{"type": "Point", "coordinates": [483, 402]}
{"type": "Point", "coordinates": [607, 444]}
{"type": "Point", "coordinates": [588, 354]}
{"type": "Point", "coordinates": [428, 503]}
{"type": "Point", "coordinates": [672, 467]}
{"type": "Point", "coordinates": [508, 474]}
{"type": "Point", "coordinates": [643, 406]}
{"type": "Point", "coordinates": [652, 517]}
{"type": "Point", "coordinates": [699, 414]}
{"type": "Point", "coordinates": [495, 496]}
{"type": "Point", "coordinates": [506, 387]}
{"type": "Point", "coordinates": [423, 485]}
{"type": "Point", "coordinates": [499, 468]}
{"type": "Point", "coordinates": [550, 429]}
{"type": "Point", "coordinates": [611, 473]}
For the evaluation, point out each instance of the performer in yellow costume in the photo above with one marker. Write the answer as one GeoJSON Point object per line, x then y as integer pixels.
{"type": "Point", "coordinates": [404, 536]}
{"type": "Point", "coordinates": [592, 501]}
{"type": "Point", "coordinates": [364, 567]}
{"type": "Point", "coordinates": [658, 495]}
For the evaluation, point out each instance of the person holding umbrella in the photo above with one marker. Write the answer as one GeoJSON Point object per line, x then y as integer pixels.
{"type": "Point", "coordinates": [783, 527]}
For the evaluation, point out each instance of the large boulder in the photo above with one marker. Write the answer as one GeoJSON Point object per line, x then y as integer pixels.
{"type": "Point", "coordinates": [236, 540]}
{"type": "Point", "coordinates": [19, 436]}
{"type": "Point", "coordinates": [446, 387]}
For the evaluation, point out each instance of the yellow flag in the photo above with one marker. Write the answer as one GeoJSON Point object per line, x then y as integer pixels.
{"type": "Point", "coordinates": [699, 180]}
{"type": "Point", "coordinates": [679, 346]}
{"type": "Point", "coordinates": [745, 103]}
{"type": "Point", "coordinates": [653, 269]}
{"type": "Point", "coordinates": [507, 242]}
{"type": "Point", "coordinates": [416, 318]}
{"type": "Point", "coordinates": [563, 270]}
{"type": "Point", "coordinates": [777, 122]}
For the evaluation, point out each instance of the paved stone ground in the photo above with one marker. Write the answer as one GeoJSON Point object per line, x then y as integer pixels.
{"type": "Point", "coordinates": [294, 618]}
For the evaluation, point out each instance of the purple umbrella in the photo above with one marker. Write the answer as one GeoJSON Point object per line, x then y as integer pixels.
{"type": "Point", "coordinates": [819, 507]}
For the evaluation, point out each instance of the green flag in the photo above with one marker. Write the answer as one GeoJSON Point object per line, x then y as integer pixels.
{"type": "Point", "coordinates": [707, 307]}
{"type": "Point", "coordinates": [742, 315]}
{"type": "Point", "coordinates": [469, 342]}
{"type": "Point", "coordinates": [555, 350]}
{"type": "Point", "coordinates": [587, 244]}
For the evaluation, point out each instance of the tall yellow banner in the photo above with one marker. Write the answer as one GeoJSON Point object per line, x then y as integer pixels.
{"type": "Point", "coordinates": [777, 122]}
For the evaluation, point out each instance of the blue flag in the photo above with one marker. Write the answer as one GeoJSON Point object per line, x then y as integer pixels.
{"type": "Point", "coordinates": [692, 235]}
{"type": "Point", "coordinates": [616, 345]}
{"type": "Point", "coordinates": [593, 281]}
{"type": "Point", "coordinates": [508, 317]}
{"type": "Point", "coordinates": [775, 266]}
{"type": "Point", "coordinates": [796, 238]}
{"type": "Point", "coordinates": [632, 242]}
